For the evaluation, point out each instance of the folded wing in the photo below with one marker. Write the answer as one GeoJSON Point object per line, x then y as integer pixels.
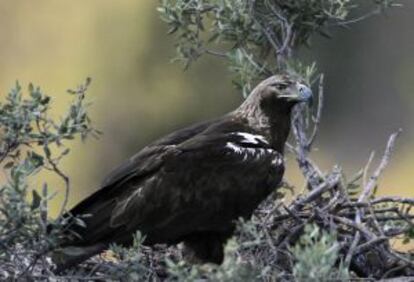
{"type": "Point", "coordinates": [171, 191]}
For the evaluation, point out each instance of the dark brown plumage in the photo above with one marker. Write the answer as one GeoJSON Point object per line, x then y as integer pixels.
{"type": "Point", "coordinates": [191, 185]}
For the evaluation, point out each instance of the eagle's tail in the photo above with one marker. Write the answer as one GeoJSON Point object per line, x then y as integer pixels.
{"type": "Point", "coordinates": [82, 241]}
{"type": "Point", "coordinates": [71, 248]}
{"type": "Point", "coordinates": [69, 256]}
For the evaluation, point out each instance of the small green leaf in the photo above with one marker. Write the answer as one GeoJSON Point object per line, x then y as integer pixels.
{"type": "Point", "coordinates": [37, 199]}
{"type": "Point", "coordinates": [410, 233]}
{"type": "Point", "coordinates": [8, 165]}
{"type": "Point", "coordinates": [45, 100]}
{"type": "Point", "coordinates": [36, 159]}
{"type": "Point", "coordinates": [88, 81]}
{"type": "Point", "coordinates": [47, 151]}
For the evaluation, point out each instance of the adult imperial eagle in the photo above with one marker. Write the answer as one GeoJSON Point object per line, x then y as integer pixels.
{"type": "Point", "coordinates": [191, 185]}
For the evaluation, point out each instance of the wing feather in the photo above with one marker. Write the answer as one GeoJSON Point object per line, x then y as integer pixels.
{"type": "Point", "coordinates": [203, 184]}
{"type": "Point", "coordinates": [203, 180]}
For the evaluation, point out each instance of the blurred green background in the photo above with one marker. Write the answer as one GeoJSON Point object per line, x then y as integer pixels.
{"type": "Point", "coordinates": [139, 95]}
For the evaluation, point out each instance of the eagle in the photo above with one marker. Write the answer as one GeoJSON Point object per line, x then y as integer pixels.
{"type": "Point", "coordinates": [193, 184]}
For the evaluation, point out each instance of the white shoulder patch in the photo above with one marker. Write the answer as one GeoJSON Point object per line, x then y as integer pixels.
{"type": "Point", "coordinates": [251, 138]}
{"type": "Point", "coordinates": [233, 147]}
{"type": "Point", "coordinates": [252, 152]}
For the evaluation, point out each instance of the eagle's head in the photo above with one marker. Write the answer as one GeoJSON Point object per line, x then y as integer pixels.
{"type": "Point", "coordinates": [275, 96]}
{"type": "Point", "coordinates": [282, 89]}
{"type": "Point", "coordinates": [269, 105]}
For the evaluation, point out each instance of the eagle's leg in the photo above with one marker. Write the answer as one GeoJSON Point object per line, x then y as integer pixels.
{"type": "Point", "coordinates": [204, 247]}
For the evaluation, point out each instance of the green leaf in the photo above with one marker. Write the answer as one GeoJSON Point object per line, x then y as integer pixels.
{"type": "Point", "coordinates": [47, 151]}
{"type": "Point", "coordinates": [65, 152]}
{"type": "Point", "coordinates": [45, 100]}
{"type": "Point", "coordinates": [36, 200]}
{"type": "Point", "coordinates": [410, 233]}
{"type": "Point", "coordinates": [9, 165]}
{"type": "Point", "coordinates": [36, 159]}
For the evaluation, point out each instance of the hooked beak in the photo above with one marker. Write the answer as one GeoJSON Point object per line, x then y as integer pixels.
{"type": "Point", "coordinates": [302, 93]}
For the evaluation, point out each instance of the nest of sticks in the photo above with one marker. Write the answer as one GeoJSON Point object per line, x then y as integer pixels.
{"type": "Point", "coordinates": [366, 225]}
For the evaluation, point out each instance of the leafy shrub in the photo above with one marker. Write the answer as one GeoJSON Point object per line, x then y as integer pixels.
{"type": "Point", "coordinates": [328, 232]}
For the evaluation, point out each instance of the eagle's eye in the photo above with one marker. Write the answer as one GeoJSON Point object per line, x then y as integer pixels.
{"type": "Point", "coordinates": [280, 86]}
